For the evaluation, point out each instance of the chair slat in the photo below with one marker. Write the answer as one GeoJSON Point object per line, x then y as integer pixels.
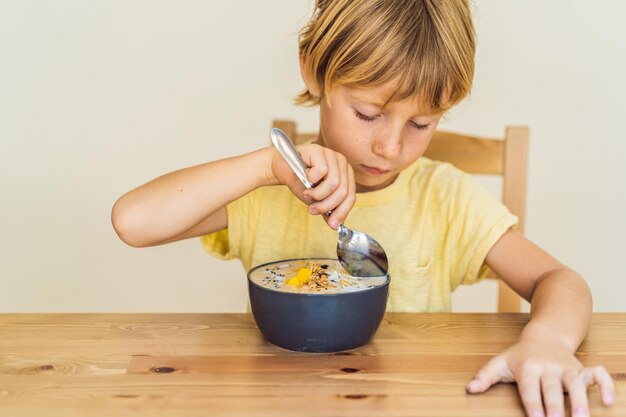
{"type": "Point", "coordinates": [470, 154]}
{"type": "Point", "coordinates": [515, 172]}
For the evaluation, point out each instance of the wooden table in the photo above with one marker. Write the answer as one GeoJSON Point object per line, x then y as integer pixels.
{"type": "Point", "coordinates": [219, 365]}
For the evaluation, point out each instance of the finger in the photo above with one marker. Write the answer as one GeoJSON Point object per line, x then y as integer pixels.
{"type": "Point", "coordinates": [490, 374]}
{"type": "Point", "coordinates": [285, 175]}
{"type": "Point", "coordinates": [341, 211]}
{"type": "Point", "coordinates": [325, 185]}
{"type": "Point", "coordinates": [607, 387]}
{"type": "Point", "coordinates": [315, 159]}
{"type": "Point", "coordinates": [553, 398]}
{"type": "Point", "coordinates": [529, 388]}
{"type": "Point", "coordinates": [332, 201]}
{"type": "Point", "coordinates": [599, 375]}
{"type": "Point", "coordinates": [577, 389]}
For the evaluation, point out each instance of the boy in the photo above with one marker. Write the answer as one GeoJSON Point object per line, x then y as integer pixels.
{"type": "Point", "coordinates": [383, 73]}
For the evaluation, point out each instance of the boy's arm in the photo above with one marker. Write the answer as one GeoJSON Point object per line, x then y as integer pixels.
{"type": "Point", "coordinates": [192, 202]}
{"type": "Point", "coordinates": [542, 362]}
{"type": "Point", "coordinates": [189, 202]}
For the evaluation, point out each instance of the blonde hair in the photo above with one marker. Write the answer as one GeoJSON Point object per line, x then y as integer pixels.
{"type": "Point", "coordinates": [425, 46]}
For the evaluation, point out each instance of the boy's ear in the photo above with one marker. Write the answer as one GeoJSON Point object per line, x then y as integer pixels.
{"type": "Point", "coordinates": [311, 84]}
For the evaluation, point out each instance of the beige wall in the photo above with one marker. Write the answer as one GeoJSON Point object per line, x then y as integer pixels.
{"type": "Point", "coordinates": [98, 97]}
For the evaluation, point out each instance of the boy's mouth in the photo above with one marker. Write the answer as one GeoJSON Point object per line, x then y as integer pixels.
{"type": "Point", "coordinates": [374, 170]}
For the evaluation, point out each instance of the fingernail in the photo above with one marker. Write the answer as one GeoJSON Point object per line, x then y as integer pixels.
{"type": "Point", "coordinates": [580, 412]}
{"type": "Point", "coordinates": [334, 223]}
{"type": "Point", "coordinates": [555, 414]}
{"type": "Point", "coordinates": [312, 210]}
{"type": "Point", "coordinates": [537, 413]}
{"type": "Point", "coordinates": [471, 387]}
{"type": "Point", "coordinates": [608, 398]}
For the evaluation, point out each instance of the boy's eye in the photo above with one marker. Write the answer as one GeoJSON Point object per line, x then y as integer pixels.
{"type": "Point", "coordinates": [364, 116]}
{"type": "Point", "coordinates": [419, 126]}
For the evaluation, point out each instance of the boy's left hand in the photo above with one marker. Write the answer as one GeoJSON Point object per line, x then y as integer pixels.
{"type": "Point", "coordinates": [544, 370]}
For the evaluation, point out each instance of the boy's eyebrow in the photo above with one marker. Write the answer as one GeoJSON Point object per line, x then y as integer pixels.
{"type": "Point", "coordinates": [377, 101]}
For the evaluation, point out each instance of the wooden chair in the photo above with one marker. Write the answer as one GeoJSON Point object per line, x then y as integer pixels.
{"type": "Point", "coordinates": [505, 157]}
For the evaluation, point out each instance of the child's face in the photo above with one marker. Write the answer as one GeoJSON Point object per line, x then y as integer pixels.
{"type": "Point", "coordinates": [377, 141]}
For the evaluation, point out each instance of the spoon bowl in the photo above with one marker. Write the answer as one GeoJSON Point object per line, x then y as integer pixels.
{"type": "Point", "coordinates": [359, 254]}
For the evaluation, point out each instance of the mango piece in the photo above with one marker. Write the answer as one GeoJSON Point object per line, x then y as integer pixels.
{"type": "Point", "coordinates": [303, 275]}
{"type": "Point", "coordinates": [293, 281]}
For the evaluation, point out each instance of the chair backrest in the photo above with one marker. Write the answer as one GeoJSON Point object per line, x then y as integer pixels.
{"type": "Point", "coordinates": [506, 157]}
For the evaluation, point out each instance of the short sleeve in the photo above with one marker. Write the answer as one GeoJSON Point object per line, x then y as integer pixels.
{"type": "Point", "coordinates": [217, 244]}
{"type": "Point", "coordinates": [476, 220]}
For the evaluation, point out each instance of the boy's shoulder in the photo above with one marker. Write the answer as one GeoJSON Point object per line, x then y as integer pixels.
{"type": "Point", "coordinates": [440, 182]}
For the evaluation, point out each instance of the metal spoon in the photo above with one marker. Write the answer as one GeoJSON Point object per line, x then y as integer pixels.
{"type": "Point", "coordinates": [359, 254]}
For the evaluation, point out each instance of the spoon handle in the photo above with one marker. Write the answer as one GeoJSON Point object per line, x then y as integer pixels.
{"type": "Point", "coordinates": [289, 152]}
{"type": "Point", "coordinates": [285, 147]}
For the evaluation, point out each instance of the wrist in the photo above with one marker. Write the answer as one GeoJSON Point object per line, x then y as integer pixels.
{"type": "Point", "coordinates": [265, 158]}
{"type": "Point", "coordinates": [542, 333]}
{"type": "Point", "coordinates": [269, 154]}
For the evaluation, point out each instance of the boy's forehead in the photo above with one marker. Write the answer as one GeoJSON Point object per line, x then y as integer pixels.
{"type": "Point", "coordinates": [374, 95]}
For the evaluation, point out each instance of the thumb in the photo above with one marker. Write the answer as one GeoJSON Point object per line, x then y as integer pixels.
{"type": "Point", "coordinates": [491, 373]}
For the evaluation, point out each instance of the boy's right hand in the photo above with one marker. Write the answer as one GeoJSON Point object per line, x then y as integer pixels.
{"type": "Point", "coordinates": [335, 188]}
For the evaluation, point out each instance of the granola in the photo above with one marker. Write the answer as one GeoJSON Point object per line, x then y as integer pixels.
{"type": "Point", "coordinates": [311, 276]}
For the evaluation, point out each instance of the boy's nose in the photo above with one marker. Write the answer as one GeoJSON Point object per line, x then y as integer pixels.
{"type": "Point", "coordinates": [387, 145]}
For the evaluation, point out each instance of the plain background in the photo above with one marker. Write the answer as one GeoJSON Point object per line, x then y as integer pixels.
{"type": "Point", "coordinates": [99, 97]}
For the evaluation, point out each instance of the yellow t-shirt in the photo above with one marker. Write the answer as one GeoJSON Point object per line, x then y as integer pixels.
{"type": "Point", "coordinates": [434, 221]}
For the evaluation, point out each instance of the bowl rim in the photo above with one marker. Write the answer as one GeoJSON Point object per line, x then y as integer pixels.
{"type": "Point", "coordinates": [300, 294]}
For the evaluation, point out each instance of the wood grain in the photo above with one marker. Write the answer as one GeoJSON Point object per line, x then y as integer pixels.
{"type": "Point", "coordinates": [220, 365]}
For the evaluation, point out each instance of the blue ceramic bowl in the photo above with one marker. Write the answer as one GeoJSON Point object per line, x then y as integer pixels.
{"type": "Point", "coordinates": [317, 322]}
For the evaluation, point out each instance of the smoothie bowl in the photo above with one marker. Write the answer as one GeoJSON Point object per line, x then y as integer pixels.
{"type": "Point", "coordinates": [312, 305]}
